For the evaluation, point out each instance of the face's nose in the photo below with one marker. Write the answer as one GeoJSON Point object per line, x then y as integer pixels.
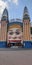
{"type": "Point", "coordinates": [14, 37]}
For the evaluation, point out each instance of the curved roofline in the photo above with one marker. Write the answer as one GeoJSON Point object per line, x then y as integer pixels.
{"type": "Point", "coordinates": [12, 23]}
{"type": "Point", "coordinates": [16, 20]}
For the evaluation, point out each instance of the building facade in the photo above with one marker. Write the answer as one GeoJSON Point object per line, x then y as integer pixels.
{"type": "Point", "coordinates": [17, 32]}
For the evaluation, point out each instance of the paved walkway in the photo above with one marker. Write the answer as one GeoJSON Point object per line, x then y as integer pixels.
{"type": "Point", "coordinates": [21, 57]}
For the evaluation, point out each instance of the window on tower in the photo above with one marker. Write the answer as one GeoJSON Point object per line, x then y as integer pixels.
{"type": "Point", "coordinates": [31, 30]}
{"type": "Point", "coordinates": [0, 25]}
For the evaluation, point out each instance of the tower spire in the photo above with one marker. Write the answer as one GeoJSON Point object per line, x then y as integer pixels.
{"type": "Point", "coordinates": [5, 15]}
{"type": "Point", "coordinates": [26, 14]}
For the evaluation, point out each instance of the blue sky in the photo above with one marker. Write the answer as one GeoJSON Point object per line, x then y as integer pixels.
{"type": "Point", "coordinates": [16, 8]}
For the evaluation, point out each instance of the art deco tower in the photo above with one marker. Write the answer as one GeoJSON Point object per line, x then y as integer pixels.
{"type": "Point", "coordinates": [4, 22]}
{"type": "Point", "coordinates": [26, 25]}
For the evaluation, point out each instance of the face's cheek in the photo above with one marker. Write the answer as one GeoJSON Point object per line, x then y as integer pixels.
{"type": "Point", "coordinates": [19, 36]}
{"type": "Point", "coordinates": [12, 36]}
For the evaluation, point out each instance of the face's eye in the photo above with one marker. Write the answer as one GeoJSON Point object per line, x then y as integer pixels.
{"type": "Point", "coordinates": [17, 33]}
{"type": "Point", "coordinates": [11, 33]}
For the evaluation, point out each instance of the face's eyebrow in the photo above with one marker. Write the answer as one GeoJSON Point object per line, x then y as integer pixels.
{"type": "Point", "coordinates": [10, 30]}
{"type": "Point", "coordinates": [18, 30]}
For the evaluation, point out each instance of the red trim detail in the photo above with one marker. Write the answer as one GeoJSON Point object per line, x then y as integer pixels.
{"type": "Point", "coordinates": [14, 40]}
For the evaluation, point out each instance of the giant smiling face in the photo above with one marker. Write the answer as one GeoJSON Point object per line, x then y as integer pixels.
{"type": "Point", "coordinates": [14, 34]}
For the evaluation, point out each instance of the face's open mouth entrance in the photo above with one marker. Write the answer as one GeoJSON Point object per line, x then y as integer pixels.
{"type": "Point", "coordinates": [15, 44]}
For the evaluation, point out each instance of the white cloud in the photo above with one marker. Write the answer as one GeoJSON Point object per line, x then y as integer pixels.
{"type": "Point", "coordinates": [6, 3]}
{"type": "Point", "coordinates": [15, 2]}
{"type": "Point", "coordinates": [9, 0]}
{"type": "Point", "coordinates": [2, 6]}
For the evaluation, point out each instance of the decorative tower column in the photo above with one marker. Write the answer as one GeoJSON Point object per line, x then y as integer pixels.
{"type": "Point", "coordinates": [0, 30]}
{"type": "Point", "coordinates": [26, 25]}
{"type": "Point", "coordinates": [4, 22]}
